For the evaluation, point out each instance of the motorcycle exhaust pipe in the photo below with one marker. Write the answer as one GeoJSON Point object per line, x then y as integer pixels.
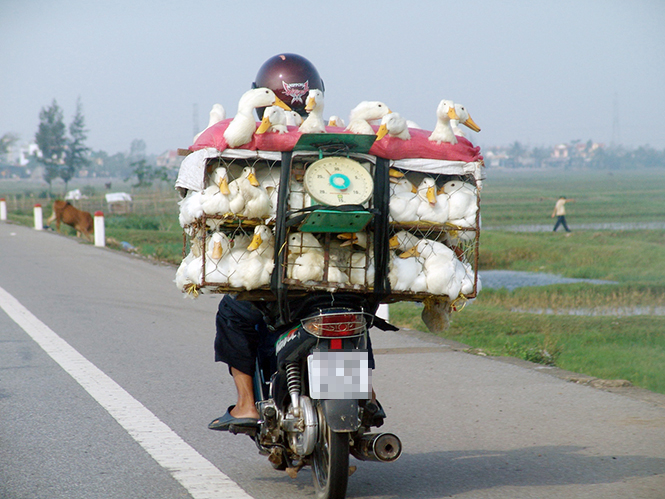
{"type": "Point", "coordinates": [381, 447]}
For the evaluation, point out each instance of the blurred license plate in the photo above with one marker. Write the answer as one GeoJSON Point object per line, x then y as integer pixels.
{"type": "Point", "coordinates": [340, 374]}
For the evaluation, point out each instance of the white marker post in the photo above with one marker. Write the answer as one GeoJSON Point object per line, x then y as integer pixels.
{"type": "Point", "coordinates": [39, 221]}
{"type": "Point", "coordinates": [100, 235]}
{"type": "Point", "coordinates": [3, 209]}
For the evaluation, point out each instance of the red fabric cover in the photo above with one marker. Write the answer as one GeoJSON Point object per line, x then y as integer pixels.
{"type": "Point", "coordinates": [388, 147]}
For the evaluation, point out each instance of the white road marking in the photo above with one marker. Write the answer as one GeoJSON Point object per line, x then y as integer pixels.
{"type": "Point", "coordinates": [198, 475]}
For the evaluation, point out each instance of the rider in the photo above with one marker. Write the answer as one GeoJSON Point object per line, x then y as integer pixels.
{"type": "Point", "coordinates": [240, 325]}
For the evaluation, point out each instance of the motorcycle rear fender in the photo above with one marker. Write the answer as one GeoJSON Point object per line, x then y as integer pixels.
{"type": "Point", "coordinates": [341, 415]}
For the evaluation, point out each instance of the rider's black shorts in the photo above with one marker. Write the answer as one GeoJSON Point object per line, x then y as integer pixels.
{"type": "Point", "coordinates": [240, 327]}
{"type": "Point", "coordinates": [241, 332]}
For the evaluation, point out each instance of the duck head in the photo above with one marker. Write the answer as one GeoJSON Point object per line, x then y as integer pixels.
{"type": "Point", "coordinates": [262, 235]}
{"type": "Point", "coordinates": [464, 118]}
{"type": "Point", "coordinates": [274, 115]}
{"type": "Point", "coordinates": [427, 190]}
{"type": "Point", "coordinates": [249, 173]}
{"type": "Point", "coordinates": [259, 97]}
{"type": "Point", "coordinates": [220, 178]}
{"type": "Point", "coordinates": [392, 124]}
{"type": "Point", "coordinates": [446, 111]}
{"type": "Point", "coordinates": [314, 100]}
{"type": "Point", "coordinates": [369, 111]}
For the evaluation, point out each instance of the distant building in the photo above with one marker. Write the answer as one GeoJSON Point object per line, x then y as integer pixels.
{"type": "Point", "coordinates": [169, 159]}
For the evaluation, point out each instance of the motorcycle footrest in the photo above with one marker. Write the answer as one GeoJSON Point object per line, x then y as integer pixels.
{"type": "Point", "coordinates": [252, 431]}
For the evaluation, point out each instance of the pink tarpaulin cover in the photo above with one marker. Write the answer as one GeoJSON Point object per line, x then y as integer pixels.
{"type": "Point", "coordinates": [388, 147]}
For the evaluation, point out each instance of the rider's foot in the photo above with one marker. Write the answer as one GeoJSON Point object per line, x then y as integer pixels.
{"type": "Point", "coordinates": [244, 412]}
{"type": "Point", "coordinates": [225, 422]}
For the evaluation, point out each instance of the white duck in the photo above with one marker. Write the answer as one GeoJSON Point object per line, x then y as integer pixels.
{"type": "Point", "coordinates": [190, 208]}
{"type": "Point", "coordinates": [406, 274]}
{"type": "Point", "coordinates": [255, 199]}
{"type": "Point", "coordinates": [404, 200]}
{"type": "Point", "coordinates": [314, 122]}
{"type": "Point", "coordinates": [363, 113]}
{"type": "Point", "coordinates": [443, 132]}
{"type": "Point", "coordinates": [443, 271]}
{"type": "Point", "coordinates": [433, 207]}
{"type": "Point", "coordinates": [213, 254]}
{"type": "Point", "coordinates": [254, 267]}
{"type": "Point", "coordinates": [293, 118]}
{"type": "Point", "coordinates": [394, 125]}
{"type": "Point", "coordinates": [215, 198]}
{"type": "Point", "coordinates": [462, 202]}
{"type": "Point", "coordinates": [359, 269]}
{"type": "Point", "coordinates": [218, 265]}
{"type": "Point", "coordinates": [274, 121]}
{"type": "Point", "coordinates": [336, 121]}
{"type": "Point", "coordinates": [242, 127]}
{"type": "Point", "coordinates": [464, 119]}
{"type": "Point", "coordinates": [307, 262]}
{"type": "Point", "coordinates": [217, 114]}
{"type": "Point", "coordinates": [467, 281]}
{"type": "Point", "coordinates": [298, 196]}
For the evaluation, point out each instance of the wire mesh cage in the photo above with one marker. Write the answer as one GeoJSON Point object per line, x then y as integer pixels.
{"type": "Point", "coordinates": [265, 225]}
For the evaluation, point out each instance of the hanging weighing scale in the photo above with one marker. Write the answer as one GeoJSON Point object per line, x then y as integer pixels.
{"type": "Point", "coordinates": [339, 183]}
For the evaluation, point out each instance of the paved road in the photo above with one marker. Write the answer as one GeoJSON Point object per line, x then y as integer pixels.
{"type": "Point", "coordinates": [124, 414]}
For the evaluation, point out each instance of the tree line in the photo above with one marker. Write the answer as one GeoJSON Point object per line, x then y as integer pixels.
{"type": "Point", "coordinates": [579, 155]}
{"type": "Point", "coordinates": [63, 151]}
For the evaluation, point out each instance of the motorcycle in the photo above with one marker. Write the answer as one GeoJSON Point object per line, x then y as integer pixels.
{"type": "Point", "coordinates": [314, 395]}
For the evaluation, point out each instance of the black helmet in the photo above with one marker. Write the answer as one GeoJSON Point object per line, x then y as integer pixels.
{"type": "Point", "coordinates": [291, 77]}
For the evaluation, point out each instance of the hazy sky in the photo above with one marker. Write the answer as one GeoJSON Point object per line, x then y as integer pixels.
{"type": "Point", "coordinates": [540, 72]}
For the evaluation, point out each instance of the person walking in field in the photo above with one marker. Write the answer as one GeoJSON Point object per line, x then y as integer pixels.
{"type": "Point", "coordinates": [560, 213]}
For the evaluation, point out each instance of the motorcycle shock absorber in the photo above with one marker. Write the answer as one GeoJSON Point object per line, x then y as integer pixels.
{"type": "Point", "coordinates": [293, 383]}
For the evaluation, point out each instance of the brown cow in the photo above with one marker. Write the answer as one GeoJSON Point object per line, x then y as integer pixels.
{"type": "Point", "coordinates": [81, 220]}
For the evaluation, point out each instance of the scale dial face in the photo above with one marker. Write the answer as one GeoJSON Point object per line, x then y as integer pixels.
{"type": "Point", "coordinates": [337, 180]}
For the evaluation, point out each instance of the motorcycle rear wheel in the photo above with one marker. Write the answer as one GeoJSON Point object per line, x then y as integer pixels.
{"type": "Point", "coordinates": [330, 462]}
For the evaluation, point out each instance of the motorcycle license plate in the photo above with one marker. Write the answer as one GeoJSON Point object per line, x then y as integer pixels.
{"type": "Point", "coordinates": [339, 374]}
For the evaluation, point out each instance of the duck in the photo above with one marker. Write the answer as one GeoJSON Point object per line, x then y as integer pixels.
{"type": "Point", "coordinates": [393, 125]}
{"type": "Point", "coordinates": [359, 270]}
{"type": "Point", "coordinates": [269, 179]}
{"type": "Point", "coordinates": [218, 265]}
{"type": "Point", "coordinates": [274, 121]}
{"type": "Point", "coordinates": [307, 260]}
{"type": "Point", "coordinates": [314, 121]}
{"type": "Point", "coordinates": [443, 132]}
{"type": "Point", "coordinates": [213, 253]}
{"type": "Point", "coordinates": [190, 208]}
{"type": "Point", "coordinates": [462, 202]}
{"type": "Point", "coordinates": [242, 127]}
{"type": "Point", "coordinates": [293, 118]}
{"type": "Point", "coordinates": [464, 119]}
{"type": "Point", "coordinates": [298, 196]}
{"type": "Point", "coordinates": [443, 271]}
{"type": "Point", "coordinates": [404, 200]}
{"type": "Point", "coordinates": [363, 113]}
{"type": "Point", "coordinates": [433, 207]}
{"type": "Point", "coordinates": [335, 120]}
{"type": "Point", "coordinates": [215, 198]}
{"type": "Point", "coordinates": [217, 114]}
{"type": "Point", "coordinates": [254, 266]}
{"type": "Point", "coordinates": [468, 279]}
{"type": "Point", "coordinates": [405, 274]}
{"type": "Point", "coordinates": [255, 200]}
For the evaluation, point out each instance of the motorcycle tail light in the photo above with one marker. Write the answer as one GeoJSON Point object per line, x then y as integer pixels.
{"type": "Point", "coordinates": [336, 325]}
